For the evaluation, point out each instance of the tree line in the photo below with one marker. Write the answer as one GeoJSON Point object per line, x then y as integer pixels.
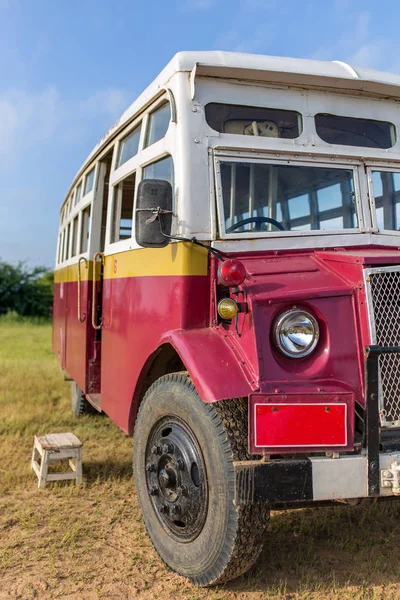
{"type": "Point", "coordinates": [26, 291]}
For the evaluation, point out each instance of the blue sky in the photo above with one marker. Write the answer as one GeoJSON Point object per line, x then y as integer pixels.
{"type": "Point", "coordinates": [69, 68]}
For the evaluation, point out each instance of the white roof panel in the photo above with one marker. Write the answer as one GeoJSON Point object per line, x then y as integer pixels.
{"type": "Point", "coordinates": [304, 72]}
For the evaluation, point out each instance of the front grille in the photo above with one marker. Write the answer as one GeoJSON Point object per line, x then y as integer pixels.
{"type": "Point", "coordinates": [383, 293]}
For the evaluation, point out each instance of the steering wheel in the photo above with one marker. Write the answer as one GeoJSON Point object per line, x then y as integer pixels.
{"type": "Point", "coordinates": [258, 221]}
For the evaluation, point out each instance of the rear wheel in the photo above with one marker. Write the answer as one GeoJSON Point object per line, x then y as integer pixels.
{"type": "Point", "coordinates": [80, 406]}
{"type": "Point", "coordinates": [184, 451]}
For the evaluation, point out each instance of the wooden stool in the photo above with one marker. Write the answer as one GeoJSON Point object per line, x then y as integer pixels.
{"type": "Point", "coordinates": [52, 448]}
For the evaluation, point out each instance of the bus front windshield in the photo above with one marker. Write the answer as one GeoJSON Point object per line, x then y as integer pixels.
{"type": "Point", "coordinates": [272, 197]}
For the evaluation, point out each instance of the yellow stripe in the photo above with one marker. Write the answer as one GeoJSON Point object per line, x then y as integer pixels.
{"type": "Point", "coordinates": [180, 258]}
{"type": "Point", "coordinates": [175, 259]}
{"type": "Point", "coordinates": [70, 273]}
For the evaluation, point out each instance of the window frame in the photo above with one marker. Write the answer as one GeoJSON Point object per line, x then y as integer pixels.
{"type": "Point", "coordinates": [135, 165]}
{"type": "Point", "coordinates": [354, 165]}
{"type": "Point", "coordinates": [118, 145]}
{"type": "Point", "coordinates": [85, 179]}
{"type": "Point", "coordinates": [164, 101]}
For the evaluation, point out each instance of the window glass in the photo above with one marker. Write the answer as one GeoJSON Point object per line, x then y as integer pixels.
{"type": "Point", "coordinates": [386, 190]}
{"type": "Point", "coordinates": [60, 242]}
{"type": "Point", "coordinates": [251, 120]}
{"type": "Point", "coordinates": [158, 124]}
{"type": "Point", "coordinates": [78, 193]}
{"type": "Point", "coordinates": [329, 197]}
{"type": "Point", "coordinates": [379, 217]}
{"type": "Point", "coordinates": [122, 217]}
{"type": "Point", "coordinates": [350, 131]}
{"type": "Point", "coordinates": [74, 236]}
{"type": "Point", "coordinates": [299, 206]}
{"type": "Point", "coordinates": [129, 146]}
{"type": "Point", "coordinates": [85, 230]}
{"type": "Point", "coordinates": [89, 180]}
{"type": "Point", "coordinates": [377, 183]}
{"type": "Point", "coordinates": [298, 198]}
{"type": "Point", "coordinates": [162, 169]}
{"type": "Point", "coordinates": [66, 241]}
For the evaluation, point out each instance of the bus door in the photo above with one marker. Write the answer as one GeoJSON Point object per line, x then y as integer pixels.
{"type": "Point", "coordinates": [87, 311]}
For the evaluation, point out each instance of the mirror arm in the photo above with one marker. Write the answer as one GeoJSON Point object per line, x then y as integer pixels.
{"type": "Point", "coordinates": [194, 240]}
{"type": "Point", "coordinates": [157, 211]}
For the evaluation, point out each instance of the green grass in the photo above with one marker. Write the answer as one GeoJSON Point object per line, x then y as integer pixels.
{"type": "Point", "coordinates": [89, 542]}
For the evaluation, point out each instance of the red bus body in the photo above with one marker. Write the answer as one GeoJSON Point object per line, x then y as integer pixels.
{"type": "Point", "coordinates": [154, 311]}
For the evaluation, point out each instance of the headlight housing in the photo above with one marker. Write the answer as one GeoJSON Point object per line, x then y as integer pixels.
{"type": "Point", "coordinates": [296, 333]}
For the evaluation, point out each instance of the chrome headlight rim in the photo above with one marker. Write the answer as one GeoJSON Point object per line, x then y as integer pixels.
{"type": "Point", "coordinates": [278, 332]}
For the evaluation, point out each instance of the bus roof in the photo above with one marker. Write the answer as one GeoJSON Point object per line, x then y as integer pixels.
{"type": "Point", "coordinates": [336, 75]}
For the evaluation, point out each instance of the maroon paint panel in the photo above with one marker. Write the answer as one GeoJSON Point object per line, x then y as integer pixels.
{"type": "Point", "coordinates": [59, 322]}
{"type": "Point", "coordinates": [216, 370]}
{"type": "Point", "coordinates": [73, 340]}
{"type": "Point", "coordinates": [137, 314]}
{"type": "Point", "coordinates": [309, 423]}
{"type": "Point", "coordinates": [278, 283]}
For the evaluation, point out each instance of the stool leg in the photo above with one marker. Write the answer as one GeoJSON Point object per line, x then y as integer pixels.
{"type": "Point", "coordinates": [43, 470]}
{"type": "Point", "coordinates": [34, 456]}
{"type": "Point", "coordinates": [79, 466]}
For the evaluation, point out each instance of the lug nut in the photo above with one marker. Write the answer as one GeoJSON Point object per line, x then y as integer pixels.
{"type": "Point", "coordinates": [150, 467]}
{"type": "Point", "coordinates": [154, 491]}
{"type": "Point", "coordinates": [164, 509]}
{"type": "Point", "coordinates": [156, 449]}
{"type": "Point", "coordinates": [168, 448]}
{"type": "Point", "coordinates": [176, 510]}
{"type": "Point", "coordinates": [180, 464]}
{"type": "Point", "coordinates": [182, 490]}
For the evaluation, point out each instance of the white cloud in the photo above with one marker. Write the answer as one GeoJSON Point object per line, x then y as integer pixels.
{"type": "Point", "coordinates": [359, 46]}
{"type": "Point", "coordinates": [30, 119]}
{"type": "Point", "coordinates": [110, 102]}
{"type": "Point", "coordinates": [26, 119]}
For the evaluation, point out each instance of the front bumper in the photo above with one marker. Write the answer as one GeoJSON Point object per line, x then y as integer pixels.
{"type": "Point", "coordinates": [374, 472]}
{"type": "Point", "coordinates": [313, 479]}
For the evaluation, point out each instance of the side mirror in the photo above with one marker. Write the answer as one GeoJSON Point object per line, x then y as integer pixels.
{"type": "Point", "coordinates": [153, 213]}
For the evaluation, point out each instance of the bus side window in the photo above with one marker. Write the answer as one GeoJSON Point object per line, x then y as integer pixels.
{"type": "Point", "coordinates": [158, 124]}
{"type": "Point", "coordinates": [161, 169]}
{"type": "Point", "coordinates": [74, 235]}
{"type": "Point", "coordinates": [122, 211]}
{"type": "Point", "coordinates": [66, 242]}
{"type": "Point", "coordinates": [60, 244]}
{"type": "Point", "coordinates": [85, 230]}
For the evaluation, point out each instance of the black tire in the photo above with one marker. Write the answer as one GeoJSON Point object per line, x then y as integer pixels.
{"type": "Point", "coordinates": [80, 406]}
{"type": "Point", "coordinates": [228, 539]}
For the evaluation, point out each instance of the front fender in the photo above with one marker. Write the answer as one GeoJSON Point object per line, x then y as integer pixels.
{"type": "Point", "coordinates": [216, 370]}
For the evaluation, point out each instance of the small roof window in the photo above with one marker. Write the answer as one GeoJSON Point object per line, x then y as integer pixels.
{"type": "Point", "coordinates": [349, 131]}
{"type": "Point", "coordinates": [251, 120]}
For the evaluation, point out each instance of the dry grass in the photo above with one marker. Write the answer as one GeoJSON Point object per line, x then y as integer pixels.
{"type": "Point", "coordinates": [89, 542]}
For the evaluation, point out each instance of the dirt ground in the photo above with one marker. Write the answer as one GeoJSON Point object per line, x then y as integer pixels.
{"type": "Point", "coordinates": [89, 542]}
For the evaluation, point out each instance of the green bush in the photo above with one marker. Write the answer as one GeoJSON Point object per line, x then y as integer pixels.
{"type": "Point", "coordinates": [25, 292]}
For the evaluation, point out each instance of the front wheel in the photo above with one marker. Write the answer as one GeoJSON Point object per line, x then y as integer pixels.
{"type": "Point", "coordinates": [184, 451]}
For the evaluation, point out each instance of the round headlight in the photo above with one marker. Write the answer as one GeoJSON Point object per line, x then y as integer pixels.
{"type": "Point", "coordinates": [296, 333]}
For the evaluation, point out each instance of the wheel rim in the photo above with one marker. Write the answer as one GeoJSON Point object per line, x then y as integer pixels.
{"type": "Point", "coordinates": [176, 478]}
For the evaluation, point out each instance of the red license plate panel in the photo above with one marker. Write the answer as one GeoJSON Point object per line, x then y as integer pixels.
{"type": "Point", "coordinates": [296, 425]}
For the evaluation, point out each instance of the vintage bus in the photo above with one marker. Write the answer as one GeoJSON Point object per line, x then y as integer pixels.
{"type": "Point", "coordinates": [227, 290]}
